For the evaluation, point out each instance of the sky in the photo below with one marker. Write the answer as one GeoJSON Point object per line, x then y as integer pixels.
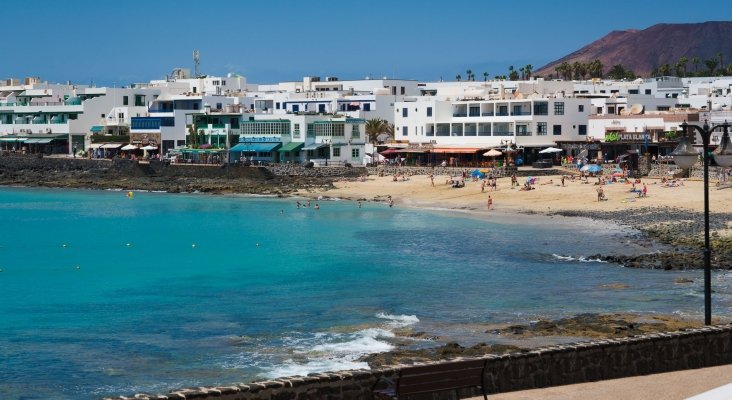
{"type": "Point", "coordinates": [122, 42]}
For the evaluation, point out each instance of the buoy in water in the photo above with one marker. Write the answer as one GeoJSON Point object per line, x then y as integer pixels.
{"type": "Point", "coordinates": [64, 245]}
{"type": "Point", "coordinates": [130, 195]}
{"type": "Point", "coordinates": [193, 245]}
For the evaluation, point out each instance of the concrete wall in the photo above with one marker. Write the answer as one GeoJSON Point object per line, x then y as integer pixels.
{"type": "Point", "coordinates": [542, 367]}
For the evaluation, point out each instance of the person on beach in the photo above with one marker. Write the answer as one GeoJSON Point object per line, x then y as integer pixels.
{"type": "Point", "coordinates": [562, 180]}
{"type": "Point", "coordinates": [514, 180]}
{"type": "Point", "coordinates": [494, 184]}
{"type": "Point", "coordinates": [482, 187]}
{"type": "Point", "coordinates": [490, 202]}
{"type": "Point", "coordinates": [644, 193]}
{"type": "Point", "coordinates": [600, 194]}
{"type": "Point", "coordinates": [432, 180]}
{"type": "Point", "coordinates": [317, 206]}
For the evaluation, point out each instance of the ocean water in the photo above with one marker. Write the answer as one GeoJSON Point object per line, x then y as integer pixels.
{"type": "Point", "coordinates": [103, 294]}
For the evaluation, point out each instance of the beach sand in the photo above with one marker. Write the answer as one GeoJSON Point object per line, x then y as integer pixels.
{"type": "Point", "coordinates": [548, 196]}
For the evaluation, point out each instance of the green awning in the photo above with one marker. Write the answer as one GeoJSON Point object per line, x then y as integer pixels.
{"type": "Point", "coordinates": [292, 146]}
{"type": "Point", "coordinates": [256, 147]}
{"type": "Point", "coordinates": [96, 128]}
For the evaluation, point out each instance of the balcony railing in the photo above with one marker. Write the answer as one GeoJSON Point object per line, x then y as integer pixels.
{"type": "Point", "coordinates": [484, 133]}
{"type": "Point", "coordinates": [502, 114]}
{"type": "Point", "coordinates": [459, 114]}
{"type": "Point", "coordinates": [490, 114]}
{"type": "Point", "coordinates": [502, 133]}
{"type": "Point", "coordinates": [525, 133]}
{"type": "Point", "coordinates": [521, 113]}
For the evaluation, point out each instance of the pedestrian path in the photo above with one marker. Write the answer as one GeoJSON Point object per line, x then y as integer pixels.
{"type": "Point", "coordinates": [697, 383]}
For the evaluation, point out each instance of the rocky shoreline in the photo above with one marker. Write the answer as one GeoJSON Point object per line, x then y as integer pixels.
{"type": "Point", "coordinates": [681, 229]}
{"type": "Point", "coordinates": [579, 327]}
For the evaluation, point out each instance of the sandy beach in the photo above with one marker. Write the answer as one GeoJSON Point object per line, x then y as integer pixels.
{"type": "Point", "coordinates": [548, 196]}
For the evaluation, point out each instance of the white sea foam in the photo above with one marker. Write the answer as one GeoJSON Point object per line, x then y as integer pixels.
{"type": "Point", "coordinates": [578, 259]}
{"type": "Point", "coordinates": [357, 344]}
{"type": "Point", "coordinates": [292, 368]}
{"type": "Point", "coordinates": [398, 321]}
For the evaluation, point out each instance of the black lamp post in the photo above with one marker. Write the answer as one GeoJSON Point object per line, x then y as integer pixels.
{"type": "Point", "coordinates": [685, 157]}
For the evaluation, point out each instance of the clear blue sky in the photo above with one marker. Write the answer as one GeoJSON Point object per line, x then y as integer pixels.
{"type": "Point", "coordinates": [117, 43]}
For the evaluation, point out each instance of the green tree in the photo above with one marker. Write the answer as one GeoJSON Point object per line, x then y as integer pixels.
{"type": "Point", "coordinates": [664, 70]}
{"type": "Point", "coordinates": [458, 77]}
{"type": "Point", "coordinates": [711, 65]}
{"type": "Point", "coordinates": [485, 76]}
{"type": "Point", "coordinates": [469, 75]}
{"type": "Point", "coordinates": [720, 56]}
{"type": "Point", "coordinates": [696, 61]}
{"type": "Point", "coordinates": [512, 74]}
{"type": "Point", "coordinates": [617, 72]}
{"type": "Point", "coordinates": [375, 128]}
{"type": "Point", "coordinates": [527, 69]}
{"type": "Point", "coordinates": [683, 61]}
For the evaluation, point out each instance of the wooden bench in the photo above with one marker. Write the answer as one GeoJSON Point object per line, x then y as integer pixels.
{"type": "Point", "coordinates": [437, 378]}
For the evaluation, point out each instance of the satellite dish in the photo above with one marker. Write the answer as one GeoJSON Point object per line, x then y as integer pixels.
{"type": "Point", "coordinates": [624, 111]}
{"type": "Point", "coordinates": [636, 109]}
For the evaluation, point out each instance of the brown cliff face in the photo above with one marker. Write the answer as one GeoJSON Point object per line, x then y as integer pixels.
{"type": "Point", "coordinates": [643, 50]}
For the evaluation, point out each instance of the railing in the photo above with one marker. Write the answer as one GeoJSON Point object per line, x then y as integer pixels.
{"type": "Point", "coordinates": [484, 133]}
{"type": "Point", "coordinates": [459, 115]}
{"type": "Point", "coordinates": [502, 114]}
{"type": "Point", "coordinates": [502, 133]}
{"type": "Point", "coordinates": [521, 113]}
{"type": "Point", "coordinates": [524, 133]}
{"type": "Point", "coordinates": [490, 114]}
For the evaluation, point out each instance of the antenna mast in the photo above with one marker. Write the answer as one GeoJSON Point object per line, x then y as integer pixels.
{"type": "Point", "coordinates": [196, 72]}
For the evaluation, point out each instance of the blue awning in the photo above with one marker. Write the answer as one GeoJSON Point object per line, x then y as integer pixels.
{"type": "Point", "coordinates": [96, 128]}
{"type": "Point", "coordinates": [256, 147]}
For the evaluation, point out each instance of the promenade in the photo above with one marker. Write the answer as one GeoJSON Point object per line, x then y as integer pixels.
{"type": "Point", "coordinates": [667, 386]}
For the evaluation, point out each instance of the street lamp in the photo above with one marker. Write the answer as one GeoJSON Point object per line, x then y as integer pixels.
{"type": "Point", "coordinates": [685, 157]}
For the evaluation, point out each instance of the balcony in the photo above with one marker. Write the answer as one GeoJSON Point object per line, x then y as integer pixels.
{"type": "Point", "coordinates": [524, 133]}
{"type": "Point", "coordinates": [502, 133]}
{"type": "Point", "coordinates": [502, 114]}
{"type": "Point", "coordinates": [521, 113]}
{"type": "Point", "coordinates": [487, 114]}
{"type": "Point", "coordinates": [460, 115]}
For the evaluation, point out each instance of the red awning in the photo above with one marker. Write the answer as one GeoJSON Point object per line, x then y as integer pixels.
{"type": "Point", "coordinates": [388, 152]}
{"type": "Point", "coordinates": [455, 150]}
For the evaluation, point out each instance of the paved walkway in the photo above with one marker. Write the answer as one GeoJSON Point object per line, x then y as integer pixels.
{"type": "Point", "coordinates": [667, 386]}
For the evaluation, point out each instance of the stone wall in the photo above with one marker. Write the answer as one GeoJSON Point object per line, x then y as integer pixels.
{"type": "Point", "coordinates": [299, 170]}
{"type": "Point", "coordinates": [542, 367]}
{"type": "Point", "coordinates": [389, 170]}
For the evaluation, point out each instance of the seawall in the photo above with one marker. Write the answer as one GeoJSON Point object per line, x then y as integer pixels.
{"type": "Point", "coordinates": [541, 367]}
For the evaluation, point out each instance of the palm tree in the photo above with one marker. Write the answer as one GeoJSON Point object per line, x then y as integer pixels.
{"type": "Point", "coordinates": [711, 65]}
{"type": "Point", "coordinates": [523, 73]}
{"type": "Point", "coordinates": [720, 56]}
{"type": "Point", "coordinates": [664, 70]}
{"type": "Point", "coordinates": [512, 74]}
{"type": "Point", "coordinates": [458, 77]}
{"type": "Point", "coordinates": [528, 69]}
{"type": "Point", "coordinates": [595, 68]}
{"type": "Point", "coordinates": [696, 61]}
{"type": "Point", "coordinates": [485, 76]}
{"type": "Point", "coordinates": [682, 63]}
{"type": "Point", "coordinates": [375, 127]}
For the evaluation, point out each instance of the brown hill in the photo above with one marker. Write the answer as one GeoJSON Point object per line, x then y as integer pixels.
{"type": "Point", "coordinates": [641, 51]}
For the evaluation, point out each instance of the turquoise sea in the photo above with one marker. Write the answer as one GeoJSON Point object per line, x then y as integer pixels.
{"type": "Point", "coordinates": [103, 294]}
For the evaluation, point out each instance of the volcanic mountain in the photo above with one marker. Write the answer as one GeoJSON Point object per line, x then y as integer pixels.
{"type": "Point", "coordinates": [641, 51]}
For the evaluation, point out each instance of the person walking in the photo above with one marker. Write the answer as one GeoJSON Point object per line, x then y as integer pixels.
{"type": "Point", "coordinates": [490, 202]}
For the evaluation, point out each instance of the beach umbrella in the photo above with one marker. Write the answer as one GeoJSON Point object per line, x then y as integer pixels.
{"type": "Point", "coordinates": [551, 150]}
{"type": "Point", "coordinates": [129, 147]}
{"type": "Point", "coordinates": [149, 147]}
{"type": "Point", "coordinates": [591, 168]}
{"type": "Point", "coordinates": [477, 174]}
{"type": "Point", "coordinates": [492, 153]}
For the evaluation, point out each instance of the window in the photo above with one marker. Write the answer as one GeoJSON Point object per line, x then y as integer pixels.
{"type": "Point", "coordinates": [367, 106]}
{"type": "Point", "coordinates": [557, 130]}
{"type": "Point", "coordinates": [218, 106]}
{"type": "Point", "coordinates": [121, 115]}
{"type": "Point", "coordinates": [403, 90]}
{"type": "Point", "coordinates": [429, 111]}
{"type": "Point", "coordinates": [296, 131]}
{"type": "Point", "coordinates": [405, 112]}
{"type": "Point", "coordinates": [582, 130]}
{"type": "Point", "coordinates": [102, 115]}
{"type": "Point", "coordinates": [559, 108]}
{"type": "Point", "coordinates": [541, 129]}
{"type": "Point", "coordinates": [541, 108]}
{"type": "Point", "coordinates": [296, 108]}
{"type": "Point", "coordinates": [125, 100]}
{"type": "Point", "coordinates": [405, 130]}
{"type": "Point", "coordinates": [336, 152]}
{"type": "Point", "coordinates": [632, 91]}
{"type": "Point", "coordinates": [355, 153]}
{"type": "Point", "coordinates": [195, 106]}
{"type": "Point", "coordinates": [648, 91]}
{"type": "Point", "coordinates": [180, 143]}
{"type": "Point", "coordinates": [195, 89]}
{"type": "Point", "coordinates": [139, 100]}
{"type": "Point", "coordinates": [581, 108]}
{"type": "Point", "coordinates": [277, 105]}
{"type": "Point", "coordinates": [355, 131]}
